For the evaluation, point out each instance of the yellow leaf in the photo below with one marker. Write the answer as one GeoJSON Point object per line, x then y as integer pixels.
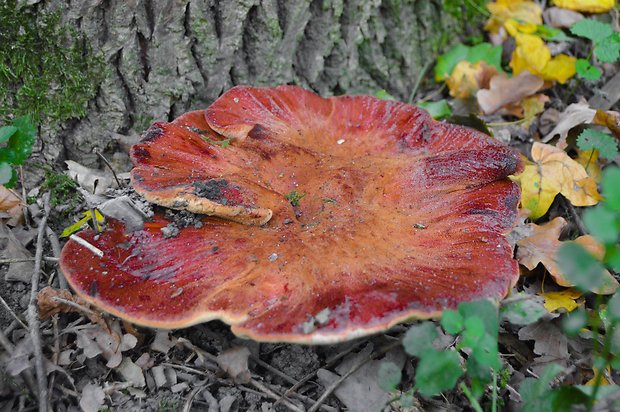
{"type": "Point", "coordinates": [87, 216]}
{"type": "Point", "coordinates": [586, 6]}
{"type": "Point", "coordinates": [513, 27]}
{"type": "Point", "coordinates": [550, 173]}
{"type": "Point", "coordinates": [467, 78]}
{"type": "Point", "coordinates": [530, 54]}
{"type": "Point", "coordinates": [561, 68]}
{"type": "Point", "coordinates": [532, 106]}
{"type": "Point", "coordinates": [589, 160]}
{"type": "Point", "coordinates": [603, 378]}
{"type": "Point", "coordinates": [541, 247]}
{"type": "Point", "coordinates": [566, 299]}
{"type": "Point", "coordinates": [519, 10]}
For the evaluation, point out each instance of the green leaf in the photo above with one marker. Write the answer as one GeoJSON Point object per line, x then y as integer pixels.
{"type": "Point", "coordinates": [580, 267]}
{"type": "Point", "coordinates": [382, 94]}
{"type": "Point", "coordinates": [438, 110]}
{"type": "Point", "coordinates": [6, 132]}
{"type": "Point", "coordinates": [602, 223]}
{"type": "Point", "coordinates": [613, 307]}
{"type": "Point", "coordinates": [474, 332]}
{"type": "Point", "coordinates": [437, 371]}
{"type": "Point", "coordinates": [6, 173]}
{"type": "Point", "coordinates": [573, 322]}
{"type": "Point", "coordinates": [389, 376]}
{"type": "Point", "coordinates": [566, 398]}
{"type": "Point", "coordinates": [592, 29]}
{"type": "Point", "coordinates": [87, 216]}
{"type": "Point", "coordinates": [419, 338]}
{"type": "Point", "coordinates": [481, 52]}
{"type": "Point", "coordinates": [608, 49]}
{"type": "Point", "coordinates": [483, 309]}
{"type": "Point", "coordinates": [610, 183]}
{"type": "Point", "coordinates": [524, 311]}
{"type": "Point", "coordinates": [452, 321]}
{"type": "Point", "coordinates": [587, 71]}
{"type": "Point", "coordinates": [535, 392]}
{"type": "Point", "coordinates": [593, 139]}
{"type": "Point", "coordinates": [448, 61]}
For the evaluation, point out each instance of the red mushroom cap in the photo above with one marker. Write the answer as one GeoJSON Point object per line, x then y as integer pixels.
{"type": "Point", "coordinates": [330, 219]}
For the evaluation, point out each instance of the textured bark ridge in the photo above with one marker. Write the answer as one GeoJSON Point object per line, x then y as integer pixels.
{"type": "Point", "coordinates": [165, 57]}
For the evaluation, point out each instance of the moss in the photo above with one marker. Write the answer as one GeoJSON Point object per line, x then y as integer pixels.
{"type": "Point", "coordinates": [63, 191]}
{"type": "Point", "coordinates": [47, 70]}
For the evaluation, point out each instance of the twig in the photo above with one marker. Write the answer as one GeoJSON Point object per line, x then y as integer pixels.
{"type": "Point", "coordinates": [12, 313]}
{"type": "Point", "coordinates": [273, 370]}
{"type": "Point", "coordinates": [31, 259]}
{"type": "Point", "coordinates": [33, 313]}
{"type": "Point", "coordinates": [273, 395]}
{"type": "Point", "coordinates": [24, 199]}
{"type": "Point", "coordinates": [96, 251]}
{"type": "Point", "coordinates": [74, 304]}
{"type": "Point", "coordinates": [55, 243]}
{"type": "Point", "coordinates": [575, 216]}
{"type": "Point", "coordinates": [418, 81]}
{"type": "Point", "coordinates": [187, 406]}
{"type": "Point", "coordinates": [118, 182]}
{"type": "Point", "coordinates": [331, 388]}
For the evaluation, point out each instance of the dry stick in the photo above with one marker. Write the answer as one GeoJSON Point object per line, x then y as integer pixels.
{"type": "Point", "coordinates": [53, 239]}
{"type": "Point", "coordinates": [355, 367]}
{"type": "Point", "coordinates": [33, 315]}
{"type": "Point", "coordinates": [18, 260]}
{"type": "Point", "coordinates": [273, 395]}
{"type": "Point", "coordinates": [96, 251]}
{"type": "Point", "coordinates": [571, 210]}
{"type": "Point", "coordinates": [273, 370]}
{"type": "Point", "coordinates": [12, 313]}
{"type": "Point", "coordinates": [309, 376]}
{"type": "Point", "coordinates": [190, 398]}
{"type": "Point", "coordinates": [118, 182]}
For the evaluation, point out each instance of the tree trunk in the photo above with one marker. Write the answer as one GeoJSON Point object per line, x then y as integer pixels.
{"type": "Point", "coordinates": [165, 57]}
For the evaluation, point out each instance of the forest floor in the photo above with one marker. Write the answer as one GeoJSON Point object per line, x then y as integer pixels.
{"type": "Point", "coordinates": [79, 358]}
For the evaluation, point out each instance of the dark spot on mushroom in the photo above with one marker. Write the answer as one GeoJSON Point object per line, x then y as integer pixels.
{"type": "Point", "coordinates": [92, 291]}
{"type": "Point", "coordinates": [211, 189]}
{"type": "Point", "coordinates": [141, 154]}
{"type": "Point", "coordinates": [152, 133]}
{"type": "Point", "coordinates": [258, 132]}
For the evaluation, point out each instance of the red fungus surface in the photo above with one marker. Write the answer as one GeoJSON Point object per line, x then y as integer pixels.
{"type": "Point", "coordinates": [328, 219]}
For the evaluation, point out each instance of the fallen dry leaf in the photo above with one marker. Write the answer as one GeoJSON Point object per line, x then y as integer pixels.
{"type": "Point", "coordinates": [18, 271]}
{"type": "Point", "coordinates": [533, 54]}
{"type": "Point", "coordinates": [561, 18]}
{"type": "Point", "coordinates": [92, 180]}
{"type": "Point", "coordinates": [92, 398]}
{"type": "Point", "coordinates": [11, 205]}
{"type": "Point", "coordinates": [234, 362]}
{"type": "Point", "coordinates": [609, 119]}
{"type": "Point", "coordinates": [97, 340]}
{"type": "Point", "coordinates": [574, 115]}
{"type": "Point", "coordinates": [589, 160]}
{"type": "Point", "coordinates": [542, 245]}
{"type": "Point", "coordinates": [586, 6]}
{"type": "Point", "coordinates": [566, 299]}
{"type": "Point", "coordinates": [52, 301]}
{"type": "Point", "coordinates": [551, 172]}
{"type": "Point", "coordinates": [467, 78]}
{"type": "Point", "coordinates": [504, 10]}
{"type": "Point", "coordinates": [504, 90]}
{"type": "Point", "coordinates": [131, 373]}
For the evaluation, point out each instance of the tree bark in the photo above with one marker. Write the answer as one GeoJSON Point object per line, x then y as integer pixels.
{"type": "Point", "coordinates": [165, 57]}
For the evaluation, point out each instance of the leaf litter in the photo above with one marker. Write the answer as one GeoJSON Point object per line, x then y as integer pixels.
{"type": "Point", "coordinates": [115, 366]}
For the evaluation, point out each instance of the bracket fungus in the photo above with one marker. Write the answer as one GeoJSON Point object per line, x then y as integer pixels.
{"type": "Point", "coordinates": [323, 219]}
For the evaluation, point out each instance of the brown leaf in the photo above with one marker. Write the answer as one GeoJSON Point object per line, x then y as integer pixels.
{"type": "Point", "coordinates": [542, 245]}
{"type": "Point", "coordinates": [18, 271]}
{"type": "Point", "coordinates": [504, 90]}
{"type": "Point", "coordinates": [561, 18]}
{"type": "Point", "coordinates": [234, 362]}
{"type": "Point", "coordinates": [11, 205]}
{"type": "Point", "coordinates": [609, 119]}
{"type": "Point", "coordinates": [575, 114]}
{"type": "Point", "coordinates": [52, 301]}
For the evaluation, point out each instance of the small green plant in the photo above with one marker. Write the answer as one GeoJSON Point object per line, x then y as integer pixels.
{"type": "Point", "coordinates": [604, 143]}
{"type": "Point", "coordinates": [606, 46]}
{"type": "Point", "coordinates": [294, 197]}
{"type": "Point", "coordinates": [63, 190]}
{"type": "Point", "coordinates": [18, 139]}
